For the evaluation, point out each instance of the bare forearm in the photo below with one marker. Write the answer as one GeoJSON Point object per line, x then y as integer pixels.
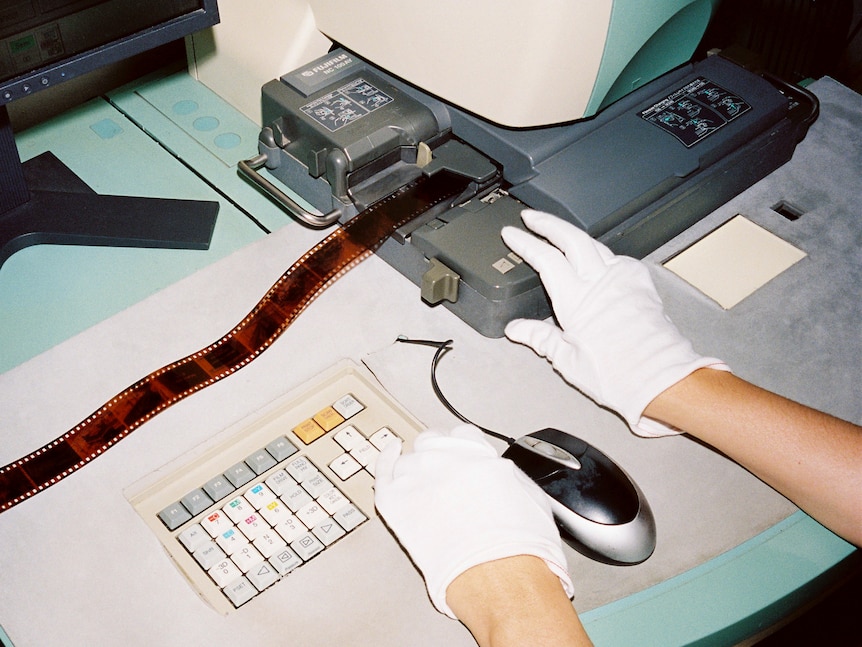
{"type": "Point", "coordinates": [812, 458]}
{"type": "Point", "coordinates": [513, 602]}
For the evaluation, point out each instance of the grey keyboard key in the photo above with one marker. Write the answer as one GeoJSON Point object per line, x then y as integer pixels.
{"type": "Point", "coordinates": [218, 487]}
{"type": "Point", "coordinates": [240, 591]}
{"type": "Point", "coordinates": [196, 501]}
{"type": "Point", "coordinates": [328, 532]}
{"type": "Point", "coordinates": [262, 575]}
{"type": "Point", "coordinates": [174, 515]}
{"type": "Point", "coordinates": [260, 461]}
{"type": "Point", "coordinates": [281, 448]}
{"type": "Point", "coordinates": [239, 474]}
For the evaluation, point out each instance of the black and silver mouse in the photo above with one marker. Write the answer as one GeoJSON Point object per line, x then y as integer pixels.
{"type": "Point", "coordinates": [601, 511]}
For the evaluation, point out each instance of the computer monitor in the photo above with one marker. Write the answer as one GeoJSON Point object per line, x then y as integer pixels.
{"type": "Point", "coordinates": [46, 42]}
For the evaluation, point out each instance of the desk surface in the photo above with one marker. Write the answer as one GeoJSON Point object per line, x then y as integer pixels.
{"type": "Point", "coordinates": [81, 568]}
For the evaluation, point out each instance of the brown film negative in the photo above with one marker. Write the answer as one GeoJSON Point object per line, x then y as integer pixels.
{"type": "Point", "coordinates": [285, 301]}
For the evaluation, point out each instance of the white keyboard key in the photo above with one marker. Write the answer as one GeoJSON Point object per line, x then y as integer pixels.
{"type": "Point", "coordinates": [240, 591]}
{"type": "Point", "coordinates": [237, 509]}
{"type": "Point", "coordinates": [262, 575]}
{"type": "Point", "coordinates": [193, 537]}
{"type": "Point", "coordinates": [349, 517]}
{"type": "Point", "coordinates": [295, 498]}
{"type": "Point", "coordinates": [316, 485]}
{"type": "Point", "coordinates": [246, 557]}
{"type": "Point", "coordinates": [332, 500]}
{"type": "Point", "coordinates": [275, 512]}
{"type": "Point", "coordinates": [231, 541]}
{"type": "Point", "coordinates": [311, 514]}
{"type": "Point", "coordinates": [209, 555]}
{"type": "Point", "coordinates": [348, 406]}
{"type": "Point", "coordinates": [269, 543]}
{"type": "Point", "coordinates": [279, 482]}
{"type": "Point", "coordinates": [365, 453]}
{"type": "Point", "coordinates": [216, 523]}
{"type": "Point", "coordinates": [285, 561]}
{"type": "Point", "coordinates": [307, 546]}
{"type": "Point", "coordinates": [328, 531]}
{"type": "Point", "coordinates": [259, 495]}
{"type": "Point", "coordinates": [291, 529]}
{"type": "Point", "coordinates": [253, 526]}
{"type": "Point", "coordinates": [348, 437]}
{"type": "Point", "coordinates": [224, 572]}
{"type": "Point", "coordinates": [300, 469]}
{"type": "Point", "coordinates": [382, 437]}
{"type": "Point", "coordinates": [345, 466]}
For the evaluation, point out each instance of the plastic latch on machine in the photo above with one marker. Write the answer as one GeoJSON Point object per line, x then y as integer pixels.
{"type": "Point", "coordinates": [439, 282]}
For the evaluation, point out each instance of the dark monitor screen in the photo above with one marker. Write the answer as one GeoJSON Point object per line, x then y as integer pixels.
{"type": "Point", "coordinates": [46, 42]}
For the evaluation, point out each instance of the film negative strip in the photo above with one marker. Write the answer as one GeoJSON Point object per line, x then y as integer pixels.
{"type": "Point", "coordinates": [306, 279]}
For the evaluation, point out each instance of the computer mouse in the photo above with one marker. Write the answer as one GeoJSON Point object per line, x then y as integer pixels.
{"type": "Point", "coordinates": [601, 511]}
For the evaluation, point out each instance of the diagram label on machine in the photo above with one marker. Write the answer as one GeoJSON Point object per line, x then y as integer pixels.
{"type": "Point", "coordinates": [345, 105]}
{"type": "Point", "coordinates": [695, 111]}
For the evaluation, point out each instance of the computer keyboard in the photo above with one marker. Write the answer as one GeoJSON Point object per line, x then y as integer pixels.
{"type": "Point", "coordinates": [277, 489]}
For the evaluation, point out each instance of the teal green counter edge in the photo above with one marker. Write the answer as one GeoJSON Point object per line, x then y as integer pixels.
{"type": "Point", "coordinates": [733, 596]}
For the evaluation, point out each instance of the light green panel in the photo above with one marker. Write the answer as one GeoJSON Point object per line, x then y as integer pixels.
{"type": "Point", "coordinates": [731, 597]}
{"type": "Point", "coordinates": [641, 45]}
{"type": "Point", "coordinates": [49, 293]}
{"type": "Point", "coordinates": [199, 126]}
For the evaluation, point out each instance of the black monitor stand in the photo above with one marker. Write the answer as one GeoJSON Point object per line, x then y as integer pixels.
{"type": "Point", "coordinates": [43, 201]}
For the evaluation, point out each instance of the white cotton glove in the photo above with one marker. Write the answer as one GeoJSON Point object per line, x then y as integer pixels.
{"type": "Point", "coordinates": [614, 342]}
{"type": "Point", "coordinates": [453, 503]}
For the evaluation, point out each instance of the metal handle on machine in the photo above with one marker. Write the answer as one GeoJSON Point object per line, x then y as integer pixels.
{"type": "Point", "coordinates": [248, 169]}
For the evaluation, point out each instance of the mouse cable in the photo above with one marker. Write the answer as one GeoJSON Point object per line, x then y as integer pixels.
{"type": "Point", "coordinates": [442, 347]}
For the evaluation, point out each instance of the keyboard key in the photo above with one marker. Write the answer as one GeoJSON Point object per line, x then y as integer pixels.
{"type": "Point", "coordinates": [196, 501]}
{"type": "Point", "coordinates": [365, 453]}
{"type": "Point", "coordinates": [216, 523]}
{"type": "Point", "coordinates": [262, 575]}
{"type": "Point", "coordinates": [269, 543]}
{"type": "Point", "coordinates": [239, 474]}
{"type": "Point", "coordinates": [253, 526]}
{"type": "Point", "coordinates": [295, 498]}
{"type": "Point", "coordinates": [231, 541]}
{"type": "Point", "coordinates": [209, 555]}
{"type": "Point", "coordinates": [281, 448]}
{"type": "Point", "coordinates": [193, 537]}
{"type": "Point", "coordinates": [382, 437]}
{"type": "Point", "coordinates": [348, 437]}
{"type": "Point", "coordinates": [328, 531]}
{"type": "Point", "coordinates": [285, 561]}
{"type": "Point", "coordinates": [218, 487]}
{"type": "Point", "coordinates": [307, 546]}
{"type": "Point", "coordinates": [316, 485]}
{"type": "Point", "coordinates": [174, 515]}
{"type": "Point", "coordinates": [237, 509]}
{"type": "Point", "coordinates": [300, 469]}
{"type": "Point", "coordinates": [348, 406]}
{"type": "Point", "coordinates": [246, 557]}
{"type": "Point", "coordinates": [332, 500]}
{"type": "Point", "coordinates": [345, 466]}
{"type": "Point", "coordinates": [349, 517]}
{"type": "Point", "coordinates": [259, 496]}
{"type": "Point", "coordinates": [224, 572]}
{"type": "Point", "coordinates": [328, 419]}
{"type": "Point", "coordinates": [308, 431]}
{"type": "Point", "coordinates": [274, 512]}
{"type": "Point", "coordinates": [260, 461]}
{"type": "Point", "coordinates": [240, 591]}
{"type": "Point", "coordinates": [291, 529]}
{"type": "Point", "coordinates": [279, 482]}
{"type": "Point", "coordinates": [311, 514]}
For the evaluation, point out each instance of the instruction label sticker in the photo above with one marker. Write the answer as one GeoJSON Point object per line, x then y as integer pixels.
{"type": "Point", "coordinates": [695, 111]}
{"type": "Point", "coordinates": [345, 105]}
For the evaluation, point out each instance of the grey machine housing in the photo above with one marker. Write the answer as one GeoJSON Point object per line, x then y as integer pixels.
{"type": "Point", "coordinates": [343, 134]}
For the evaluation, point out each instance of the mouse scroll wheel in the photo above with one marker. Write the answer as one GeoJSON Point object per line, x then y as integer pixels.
{"type": "Point", "coordinates": [554, 452]}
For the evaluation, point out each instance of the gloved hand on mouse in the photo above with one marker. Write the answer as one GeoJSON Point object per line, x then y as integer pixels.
{"type": "Point", "coordinates": [613, 341]}
{"type": "Point", "coordinates": [454, 503]}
